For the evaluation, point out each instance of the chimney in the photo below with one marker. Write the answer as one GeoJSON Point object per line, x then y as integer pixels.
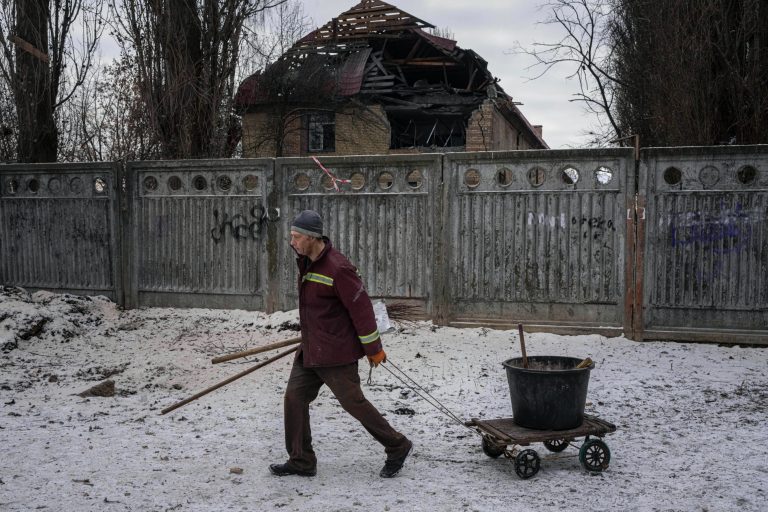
{"type": "Point", "coordinates": [537, 129]}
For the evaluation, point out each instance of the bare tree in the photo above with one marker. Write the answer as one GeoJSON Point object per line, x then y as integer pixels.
{"type": "Point", "coordinates": [585, 47]}
{"type": "Point", "coordinates": [7, 124]}
{"type": "Point", "coordinates": [268, 37]}
{"type": "Point", "coordinates": [693, 73]}
{"type": "Point", "coordinates": [105, 120]}
{"type": "Point", "coordinates": [294, 82]}
{"type": "Point", "coordinates": [46, 51]}
{"type": "Point", "coordinates": [444, 32]}
{"type": "Point", "coordinates": [286, 90]}
{"type": "Point", "coordinates": [124, 124]}
{"type": "Point", "coordinates": [287, 81]}
{"type": "Point", "coordinates": [674, 73]}
{"type": "Point", "coordinates": [186, 54]}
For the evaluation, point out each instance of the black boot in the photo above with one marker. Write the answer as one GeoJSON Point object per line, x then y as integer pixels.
{"type": "Point", "coordinates": [393, 466]}
{"type": "Point", "coordinates": [285, 470]}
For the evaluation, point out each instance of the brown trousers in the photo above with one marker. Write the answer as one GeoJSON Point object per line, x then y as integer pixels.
{"type": "Point", "coordinates": [344, 381]}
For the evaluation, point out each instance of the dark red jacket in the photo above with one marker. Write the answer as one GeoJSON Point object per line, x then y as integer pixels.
{"type": "Point", "coordinates": [336, 316]}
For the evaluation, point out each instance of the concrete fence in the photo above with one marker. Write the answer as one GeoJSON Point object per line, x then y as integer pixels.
{"type": "Point", "coordinates": [671, 245]}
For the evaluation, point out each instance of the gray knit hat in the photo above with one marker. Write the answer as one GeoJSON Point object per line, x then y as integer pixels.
{"type": "Point", "coordinates": [309, 223]}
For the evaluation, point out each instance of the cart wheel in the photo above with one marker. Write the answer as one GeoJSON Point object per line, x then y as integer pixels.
{"type": "Point", "coordinates": [594, 455]}
{"type": "Point", "coordinates": [556, 445]}
{"type": "Point", "coordinates": [492, 449]}
{"type": "Point", "coordinates": [527, 463]}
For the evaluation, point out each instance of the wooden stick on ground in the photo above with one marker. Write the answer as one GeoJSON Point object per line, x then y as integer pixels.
{"type": "Point", "coordinates": [398, 312]}
{"type": "Point", "coordinates": [257, 350]}
{"type": "Point", "coordinates": [522, 345]}
{"type": "Point", "coordinates": [227, 381]}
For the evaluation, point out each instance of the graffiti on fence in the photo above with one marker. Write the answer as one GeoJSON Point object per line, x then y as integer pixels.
{"type": "Point", "coordinates": [597, 226]}
{"type": "Point", "coordinates": [719, 233]}
{"type": "Point", "coordinates": [587, 227]}
{"type": "Point", "coordinates": [241, 227]}
{"type": "Point", "coordinates": [546, 219]}
{"type": "Point", "coordinates": [727, 230]}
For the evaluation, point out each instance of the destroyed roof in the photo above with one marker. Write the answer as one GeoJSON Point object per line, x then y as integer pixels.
{"type": "Point", "coordinates": [394, 39]}
{"type": "Point", "coordinates": [382, 54]}
{"type": "Point", "coordinates": [369, 46]}
{"type": "Point", "coordinates": [368, 18]}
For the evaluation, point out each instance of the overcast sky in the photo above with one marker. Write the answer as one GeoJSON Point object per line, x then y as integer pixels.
{"type": "Point", "coordinates": [490, 28]}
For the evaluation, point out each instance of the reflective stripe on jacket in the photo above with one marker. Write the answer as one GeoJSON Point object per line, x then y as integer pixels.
{"type": "Point", "coordinates": [336, 316]}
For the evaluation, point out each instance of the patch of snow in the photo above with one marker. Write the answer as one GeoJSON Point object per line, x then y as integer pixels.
{"type": "Point", "coordinates": [691, 418]}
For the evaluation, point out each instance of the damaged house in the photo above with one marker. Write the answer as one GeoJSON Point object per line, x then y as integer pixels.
{"type": "Point", "coordinates": [373, 81]}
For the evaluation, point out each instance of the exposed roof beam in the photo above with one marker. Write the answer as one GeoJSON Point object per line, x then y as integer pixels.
{"type": "Point", "coordinates": [421, 62]}
{"type": "Point", "coordinates": [367, 17]}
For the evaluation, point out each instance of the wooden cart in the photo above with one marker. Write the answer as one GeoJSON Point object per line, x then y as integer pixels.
{"type": "Point", "coordinates": [504, 437]}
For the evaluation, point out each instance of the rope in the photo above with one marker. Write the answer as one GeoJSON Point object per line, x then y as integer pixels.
{"type": "Point", "coordinates": [412, 385]}
{"type": "Point", "coordinates": [334, 179]}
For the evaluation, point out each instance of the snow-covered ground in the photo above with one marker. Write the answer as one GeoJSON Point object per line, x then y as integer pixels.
{"type": "Point", "coordinates": [692, 419]}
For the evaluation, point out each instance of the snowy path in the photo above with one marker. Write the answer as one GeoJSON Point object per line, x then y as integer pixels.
{"type": "Point", "coordinates": [692, 419]}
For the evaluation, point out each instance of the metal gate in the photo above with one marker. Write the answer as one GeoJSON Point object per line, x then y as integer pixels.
{"type": "Point", "coordinates": [199, 234]}
{"type": "Point", "coordinates": [58, 228]}
{"type": "Point", "coordinates": [536, 237]}
{"type": "Point", "coordinates": [381, 217]}
{"type": "Point", "coordinates": [706, 243]}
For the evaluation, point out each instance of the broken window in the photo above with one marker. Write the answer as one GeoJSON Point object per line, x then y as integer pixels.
{"type": "Point", "coordinates": [321, 131]}
{"type": "Point", "coordinates": [416, 130]}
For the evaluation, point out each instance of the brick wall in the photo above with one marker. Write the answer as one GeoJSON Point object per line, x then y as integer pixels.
{"type": "Point", "coordinates": [365, 132]}
{"type": "Point", "coordinates": [358, 132]}
{"type": "Point", "coordinates": [295, 139]}
{"type": "Point", "coordinates": [488, 130]}
{"type": "Point", "coordinates": [255, 143]}
{"type": "Point", "coordinates": [480, 128]}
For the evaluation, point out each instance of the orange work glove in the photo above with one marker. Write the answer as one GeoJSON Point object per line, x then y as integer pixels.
{"type": "Point", "coordinates": [377, 358]}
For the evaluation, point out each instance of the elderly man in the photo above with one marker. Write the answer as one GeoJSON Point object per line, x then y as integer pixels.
{"type": "Point", "coordinates": [338, 327]}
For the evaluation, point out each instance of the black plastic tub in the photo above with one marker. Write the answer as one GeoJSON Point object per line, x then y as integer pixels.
{"type": "Point", "coordinates": [550, 394]}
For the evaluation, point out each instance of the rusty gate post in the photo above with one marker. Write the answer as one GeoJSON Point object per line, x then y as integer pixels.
{"type": "Point", "coordinates": [638, 326]}
{"type": "Point", "coordinates": [629, 270]}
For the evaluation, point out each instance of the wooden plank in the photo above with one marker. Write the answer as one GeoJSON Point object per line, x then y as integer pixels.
{"type": "Point", "coordinates": [412, 53]}
{"type": "Point", "coordinates": [520, 435]}
{"type": "Point", "coordinates": [416, 63]}
{"type": "Point", "coordinates": [402, 76]}
{"type": "Point", "coordinates": [402, 102]}
{"type": "Point", "coordinates": [378, 78]}
{"type": "Point", "coordinates": [376, 60]}
{"type": "Point", "coordinates": [489, 429]}
{"type": "Point", "coordinates": [437, 58]}
{"type": "Point", "coordinates": [384, 10]}
{"type": "Point", "coordinates": [378, 85]}
{"type": "Point", "coordinates": [368, 26]}
{"type": "Point", "coordinates": [357, 36]}
{"type": "Point", "coordinates": [471, 79]}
